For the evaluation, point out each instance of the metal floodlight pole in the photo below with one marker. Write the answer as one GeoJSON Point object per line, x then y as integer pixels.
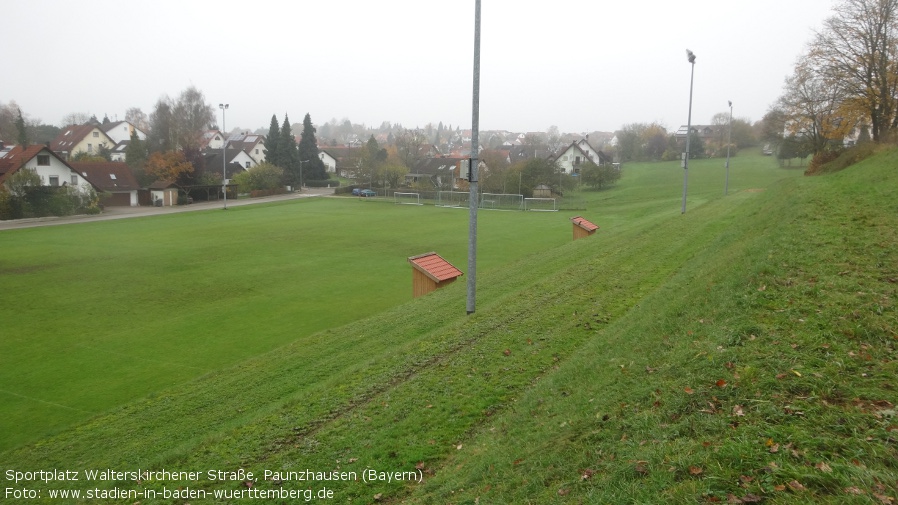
{"type": "Point", "coordinates": [691, 56]}
{"type": "Point", "coordinates": [300, 173]}
{"type": "Point", "coordinates": [474, 199]}
{"type": "Point", "coordinates": [224, 158]}
{"type": "Point", "coordinates": [726, 184]}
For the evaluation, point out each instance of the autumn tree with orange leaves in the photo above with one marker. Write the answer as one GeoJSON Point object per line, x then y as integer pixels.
{"type": "Point", "coordinates": [171, 167]}
{"type": "Point", "coordinates": [852, 65]}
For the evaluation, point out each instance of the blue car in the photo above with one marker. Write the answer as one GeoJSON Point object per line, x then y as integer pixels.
{"type": "Point", "coordinates": [365, 193]}
{"type": "Point", "coordinates": [356, 191]}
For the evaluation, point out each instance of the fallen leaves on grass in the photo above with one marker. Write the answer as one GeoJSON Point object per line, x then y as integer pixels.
{"type": "Point", "coordinates": [823, 467]}
{"type": "Point", "coordinates": [695, 470]}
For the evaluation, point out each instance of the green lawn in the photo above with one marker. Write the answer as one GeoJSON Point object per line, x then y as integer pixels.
{"type": "Point", "coordinates": [103, 313]}
{"type": "Point", "coordinates": [745, 351]}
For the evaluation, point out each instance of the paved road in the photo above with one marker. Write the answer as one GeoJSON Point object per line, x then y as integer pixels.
{"type": "Point", "coordinates": [126, 212]}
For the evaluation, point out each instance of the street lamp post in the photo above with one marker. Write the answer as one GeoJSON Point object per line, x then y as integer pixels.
{"type": "Point", "coordinates": [726, 184]}
{"type": "Point", "coordinates": [474, 196]}
{"type": "Point", "coordinates": [300, 173]}
{"type": "Point", "coordinates": [224, 158]}
{"type": "Point", "coordinates": [691, 56]}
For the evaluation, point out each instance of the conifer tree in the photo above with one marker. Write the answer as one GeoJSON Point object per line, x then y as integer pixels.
{"type": "Point", "coordinates": [136, 152]}
{"type": "Point", "coordinates": [313, 169]}
{"type": "Point", "coordinates": [23, 132]}
{"type": "Point", "coordinates": [271, 142]}
{"type": "Point", "coordinates": [287, 153]}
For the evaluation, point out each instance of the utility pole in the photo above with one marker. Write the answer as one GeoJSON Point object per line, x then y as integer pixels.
{"type": "Point", "coordinates": [474, 198]}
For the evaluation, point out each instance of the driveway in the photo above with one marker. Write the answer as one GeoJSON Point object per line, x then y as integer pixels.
{"type": "Point", "coordinates": [126, 212]}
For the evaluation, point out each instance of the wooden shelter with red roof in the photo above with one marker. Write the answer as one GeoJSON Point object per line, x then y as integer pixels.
{"type": "Point", "coordinates": [430, 271]}
{"type": "Point", "coordinates": [582, 227]}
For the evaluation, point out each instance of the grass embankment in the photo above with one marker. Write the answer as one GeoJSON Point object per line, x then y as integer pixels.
{"type": "Point", "coordinates": [744, 351]}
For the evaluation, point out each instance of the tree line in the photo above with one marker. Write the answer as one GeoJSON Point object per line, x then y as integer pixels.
{"type": "Point", "coordinates": [844, 87]}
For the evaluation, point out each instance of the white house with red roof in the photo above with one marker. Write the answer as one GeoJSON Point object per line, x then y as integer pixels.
{"type": "Point", "coordinates": [571, 158]}
{"type": "Point", "coordinates": [52, 169]}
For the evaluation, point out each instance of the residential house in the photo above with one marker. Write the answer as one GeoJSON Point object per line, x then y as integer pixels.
{"type": "Point", "coordinates": [329, 160]}
{"type": "Point", "coordinates": [114, 180]}
{"type": "Point", "coordinates": [212, 139]}
{"type": "Point", "coordinates": [346, 159]}
{"type": "Point", "coordinates": [119, 152]}
{"type": "Point", "coordinates": [571, 158]}
{"type": "Point", "coordinates": [442, 173]}
{"type": "Point", "coordinates": [704, 132]}
{"type": "Point", "coordinates": [121, 131]}
{"type": "Point", "coordinates": [237, 161]}
{"type": "Point", "coordinates": [74, 139]}
{"type": "Point", "coordinates": [250, 143]}
{"type": "Point", "coordinates": [52, 168]}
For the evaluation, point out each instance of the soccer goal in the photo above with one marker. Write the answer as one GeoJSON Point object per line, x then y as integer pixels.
{"type": "Point", "coordinates": [501, 201]}
{"type": "Point", "coordinates": [540, 204]}
{"type": "Point", "coordinates": [453, 198]}
{"type": "Point", "coordinates": [407, 198]}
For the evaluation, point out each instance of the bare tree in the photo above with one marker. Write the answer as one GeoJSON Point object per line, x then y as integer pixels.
{"type": "Point", "coordinates": [75, 118]}
{"type": "Point", "coordinates": [138, 118]}
{"type": "Point", "coordinates": [857, 51]}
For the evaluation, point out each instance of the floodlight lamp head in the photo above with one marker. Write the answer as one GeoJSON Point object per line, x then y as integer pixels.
{"type": "Point", "coordinates": [730, 102]}
{"type": "Point", "coordinates": [691, 56]}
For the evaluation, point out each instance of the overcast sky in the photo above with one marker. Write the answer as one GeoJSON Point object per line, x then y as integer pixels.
{"type": "Point", "coordinates": [582, 65]}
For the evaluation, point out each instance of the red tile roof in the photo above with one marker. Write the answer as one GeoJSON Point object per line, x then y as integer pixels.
{"type": "Point", "coordinates": [583, 223]}
{"type": "Point", "coordinates": [434, 266]}
{"type": "Point", "coordinates": [18, 156]}
{"type": "Point", "coordinates": [107, 175]}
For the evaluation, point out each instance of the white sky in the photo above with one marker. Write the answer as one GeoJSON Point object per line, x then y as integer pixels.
{"type": "Point", "coordinates": [577, 64]}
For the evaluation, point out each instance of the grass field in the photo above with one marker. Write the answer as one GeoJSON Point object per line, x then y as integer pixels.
{"type": "Point", "coordinates": [742, 352]}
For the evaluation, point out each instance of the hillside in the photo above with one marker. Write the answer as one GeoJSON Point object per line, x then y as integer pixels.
{"type": "Point", "coordinates": [742, 352]}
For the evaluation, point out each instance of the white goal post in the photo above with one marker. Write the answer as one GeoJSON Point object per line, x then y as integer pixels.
{"type": "Point", "coordinates": [540, 204]}
{"type": "Point", "coordinates": [501, 201]}
{"type": "Point", "coordinates": [453, 198]}
{"type": "Point", "coordinates": [407, 198]}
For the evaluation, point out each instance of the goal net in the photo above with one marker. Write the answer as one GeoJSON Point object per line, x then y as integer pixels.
{"type": "Point", "coordinates": [543, 204]}
{"type": "Point", "coordinates": [453, 198]}
{"type": "Point", "coordinates": [407, 198]}
{"type": "Point", "coordinates": [501, 201]}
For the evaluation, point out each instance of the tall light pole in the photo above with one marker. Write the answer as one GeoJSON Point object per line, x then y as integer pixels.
{"type": "Point", "coordinates": [224, 158]}
{"type": "Point", "coordinates": [300, 173]}
{"type": "Point", "coordinates": [726, 185]}
{"type": "Point", "coordinates": [691, 56]}
{"type": "Point", "coordinates": [474, 197]}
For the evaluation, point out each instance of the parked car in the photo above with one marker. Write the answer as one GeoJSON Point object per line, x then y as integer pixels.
{"type": "Point", "coordinates": [356, 191]}
{"type": "Point", "coordinates": [367, 193]}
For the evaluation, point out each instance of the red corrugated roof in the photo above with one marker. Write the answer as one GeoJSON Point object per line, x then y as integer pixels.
{"type": "Point", "coordinates": [583, 223]}
{"type": "Point", "coordinates": [435, 267]}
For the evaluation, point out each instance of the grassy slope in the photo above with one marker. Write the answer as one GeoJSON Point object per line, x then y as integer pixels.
{"type": "Point", "coordinates": [724, 352]}
{"type": "Point", "coordinates": [765, 368]}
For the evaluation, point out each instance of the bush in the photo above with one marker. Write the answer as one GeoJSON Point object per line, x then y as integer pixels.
{"type": "Point", "coordinates": [260, 177]}
{"type": "Point", "coordinates": [834, 161]}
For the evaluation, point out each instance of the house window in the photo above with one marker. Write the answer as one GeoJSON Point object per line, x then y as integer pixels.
{"type": "Point", "coordinates": [257, 151]}
{"type": "Point", "coordinates": [577, 160]}
{"type": "Point", "coordinates": [43, 160]}
{"type": "Point", "coordinates": [90, 148]}
{"type": "Point", "coordinates": [54, 180]}
{"type": "Point", "coordinates": [247, 164]}
{"type": "Point", "coordinates": [96, 135]}
{"type": "Point", "coordinates": [74, 180]}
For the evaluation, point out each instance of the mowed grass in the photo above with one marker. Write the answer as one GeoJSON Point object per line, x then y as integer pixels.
{"type": "Point", "coordinates": [104, 313]}
{"type": "Point", "coordinates": [99, 314]}
{"type": "Point", "coordinates": [742, 352]}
